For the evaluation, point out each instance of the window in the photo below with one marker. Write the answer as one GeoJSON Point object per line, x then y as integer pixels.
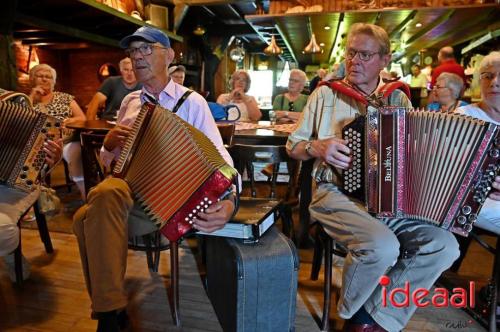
{"type": "Point", "coordinates": [262, 87]}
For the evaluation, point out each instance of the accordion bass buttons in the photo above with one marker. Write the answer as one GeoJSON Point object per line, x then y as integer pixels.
{"type": "Point", "coordinates": [467, 228]}
{"type": "Point", "coordinates": [461, 220]}
{"type": "Point", "coordinates": [495, 153]}
{"type": "Point", "coordinates": [466, 210]}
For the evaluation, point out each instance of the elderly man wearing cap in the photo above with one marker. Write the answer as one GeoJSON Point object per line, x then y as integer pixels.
{"type": "Point", "coordinates": [102, 226]}
{"type": "Point", "coordinates": [177, 73]}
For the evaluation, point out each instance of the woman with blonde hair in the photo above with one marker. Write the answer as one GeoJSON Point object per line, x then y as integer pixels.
{"type": "Point", "coordinates": [64, 107]}
{"type": "Point", "coordinates": [240, 84]}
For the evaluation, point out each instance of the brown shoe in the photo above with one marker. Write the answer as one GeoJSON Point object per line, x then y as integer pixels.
{"type": "Point", "coordinates": [350, 327]}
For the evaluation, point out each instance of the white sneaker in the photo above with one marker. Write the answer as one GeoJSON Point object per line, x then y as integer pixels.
{"type": "Point", "coordinates": [11, 270]}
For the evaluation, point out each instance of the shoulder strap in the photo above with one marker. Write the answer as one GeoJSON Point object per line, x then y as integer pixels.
{"type": "Point", "coordinates": [181, 101]}
{"type": "Point", "coordinates": [343, 88]}
{"type": "Point", "coordinates": [387, 89]}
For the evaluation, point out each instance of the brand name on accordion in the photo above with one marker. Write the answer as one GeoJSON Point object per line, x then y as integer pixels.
{"type": "Point", "coordinates": [388, 164]}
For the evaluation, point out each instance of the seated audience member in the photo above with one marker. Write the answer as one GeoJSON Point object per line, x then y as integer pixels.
{"type": "Point", "coordinates": [240, 84]}
{"type": "Point", "coordinates": [446, 93]}
{"type": "Point", "coordinates": [63, 107]}
{"type": "Point", "coordinates": [102, 226]}
{"type": "Point", "coordinates": [320, 76]}
{"type": "Point", "coordinates": [177, 73]}
{"type": "Point", "coordinates": [404, 250]}
{"type": "Point", "coordinates": [447, 64]}
{"type": "Point", "coordinates": [112, 91]}
{"type": "Point", "coordinates": [289, 105]}
{"type": "Point", "coordinates": [488, 109]}
{"type": "Point", "coordinates": [9, 214]}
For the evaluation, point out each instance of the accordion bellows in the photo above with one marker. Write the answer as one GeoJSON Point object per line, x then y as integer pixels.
{"type": "Point", "coordinates": [430, 166]}
{"type": "Point", "coordinates": [22, 134]}
{"type": "Point", "coordinates": [173, 169]}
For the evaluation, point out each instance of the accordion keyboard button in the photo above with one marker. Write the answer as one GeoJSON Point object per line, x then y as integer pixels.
{"type": "Point", "coordinates": [466, 210]}
{"type": "Point", "coordinates": [461, 220]}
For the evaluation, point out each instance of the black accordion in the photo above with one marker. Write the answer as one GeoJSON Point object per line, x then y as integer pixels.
{"type": "Point", "coordinates": [429, 166]}
{"type": "Point", "coordinates": [22, 134]}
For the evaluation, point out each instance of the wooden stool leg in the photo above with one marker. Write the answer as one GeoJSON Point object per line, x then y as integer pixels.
{"type": "Point", "coordinates": [174, 268]}
{"type": "Point", "coordinates": [157, 251]}
{"type": "Point", "coordinates": [18, 263]}
{"type": "Point", "coordinates": [42, 228]}
{"type": "Point", "coordinates": [149, 251]}
{"type": "Point", "coordinates": [317, 255]}
{"type": "Point", "coordinates": [327, 290]}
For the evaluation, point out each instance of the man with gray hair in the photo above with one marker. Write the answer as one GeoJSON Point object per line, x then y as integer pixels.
{"type": "Point", "coordinates": [447, 64]}
{"type": "Point", "coordinates": [112, 92]}
{"type": "Point", "coordinates": [401, 250]}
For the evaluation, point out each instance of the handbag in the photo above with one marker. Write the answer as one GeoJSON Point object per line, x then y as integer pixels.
{"type": "Point", "coordinates": [48, 201]}
{"type": "Point", "coordinates": [221, 112]}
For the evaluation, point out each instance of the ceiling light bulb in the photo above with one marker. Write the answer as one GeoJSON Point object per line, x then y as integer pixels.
{"type": "Point", "coordinates": [418, 25]}
{"type": "Point", "coordinates": [327, 27]}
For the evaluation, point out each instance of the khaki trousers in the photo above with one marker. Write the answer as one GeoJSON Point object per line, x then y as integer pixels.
{"type": "Point", "coordinates": [102, 230]}
{"type": "Point", "coordinates": [402, 249]}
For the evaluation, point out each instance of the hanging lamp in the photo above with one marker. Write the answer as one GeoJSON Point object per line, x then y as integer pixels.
{"type": "Point", "coordinates": [273, 48]}
{"type": "Point", "coordinates": [312, 47]}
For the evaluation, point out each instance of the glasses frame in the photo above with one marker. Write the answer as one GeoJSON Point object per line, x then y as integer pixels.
{"type": "Point", "coordinates": [145, 50]}
{"type": "Point", "coordinates": [362, 55]}
{"type": "Point", "coordinates": [489, 76]}
{"type": "Point", "coordinates": [47, 77]}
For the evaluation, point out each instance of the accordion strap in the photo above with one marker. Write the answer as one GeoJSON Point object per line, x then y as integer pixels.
{"type": "Point", "coordinates": [181, 101]}
{"type": "Point", "coordinates": [381, 94]}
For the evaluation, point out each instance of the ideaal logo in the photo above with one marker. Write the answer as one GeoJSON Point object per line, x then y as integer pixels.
{"type": "Point", "coordinates": [461, 324]}
{"type": "Point", "coordinates": [440, 297]}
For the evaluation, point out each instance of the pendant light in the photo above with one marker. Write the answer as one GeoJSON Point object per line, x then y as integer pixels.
{"type": "Point", "coordinates": [312, 47]}
{"type": "Point", "coordinates": [273, 48]}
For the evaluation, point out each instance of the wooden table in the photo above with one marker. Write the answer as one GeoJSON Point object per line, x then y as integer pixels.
{"type": "Point", "coordinates": [92, 133]}
{"type": "Point", "coordinates": [260, 136]}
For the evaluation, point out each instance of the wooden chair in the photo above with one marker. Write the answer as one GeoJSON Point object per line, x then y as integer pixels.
{"type": "Point", "coordinates": [44, 235]}
{"type": "Point", "coordinates": [325, 246]}
{"type": "Point", "coordinates": [245, 155]}
{"type": "Point", "coordinates": [226, 131]}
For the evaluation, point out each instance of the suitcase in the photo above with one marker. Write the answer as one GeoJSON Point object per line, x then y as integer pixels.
{"type": "Point", "coordinates": [253, 286]}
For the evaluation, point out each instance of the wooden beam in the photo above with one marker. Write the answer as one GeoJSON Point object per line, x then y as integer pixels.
{"type": "Point", "coordinates": [428, 27]}
{"type": "Point", "coordinates": [337, 32]}
{"type": "Point", "coordinates": [403, 24]}
{"type": "Point", "coordinates": [180, 12]}
{"type": "Point", "coordinates": [62, 29]}
{"type": "Point", "coordinates": [287, 43]}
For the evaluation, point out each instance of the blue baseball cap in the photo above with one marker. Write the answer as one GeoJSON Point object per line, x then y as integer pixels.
{"type": "Point", "coordinates": [146, 33]}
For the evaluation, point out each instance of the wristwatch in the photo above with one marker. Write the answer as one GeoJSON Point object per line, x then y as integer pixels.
{"type": "Point", "coordinates": [308, 148]}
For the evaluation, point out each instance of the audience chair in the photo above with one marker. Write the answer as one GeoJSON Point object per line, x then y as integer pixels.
{"type": "Point", "coordinates": [325, 246]}
{"type": "Point", "coordinates": [245, 155]}
{"type": "Point", "coordinates": [492, 288]}
{"type": "Point", "coordinates": [226, 131]}
{"type": "Point", "coordinates": [44, 235]}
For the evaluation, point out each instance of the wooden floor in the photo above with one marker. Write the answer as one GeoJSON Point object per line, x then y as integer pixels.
{"type": "Point", "coordinates": [55, 299]}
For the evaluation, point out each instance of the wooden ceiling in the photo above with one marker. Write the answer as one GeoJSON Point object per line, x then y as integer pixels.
{"type": "Point", "coordinates": [439, 27]}
{"type": "Point", "coordinates": [57, 23]}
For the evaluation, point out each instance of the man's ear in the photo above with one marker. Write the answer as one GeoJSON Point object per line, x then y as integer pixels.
{"type": "Point", "coordinates": [170, 55]}
{"type": "Point", "coordinates": [386, 58]}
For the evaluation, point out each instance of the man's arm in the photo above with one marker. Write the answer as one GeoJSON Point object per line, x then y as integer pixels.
{"type": "Point", "coordinates": [97, 102]}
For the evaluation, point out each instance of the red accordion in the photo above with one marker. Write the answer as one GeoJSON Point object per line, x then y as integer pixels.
{"type": "Point", "coordinates": [173, 169]}
{"type": "Point", "coordinates": [429, 166]}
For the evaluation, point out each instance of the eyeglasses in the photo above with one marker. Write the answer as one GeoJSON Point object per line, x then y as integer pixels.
{"type": "Point", "coordinates": [144, 49]}
{"type": "Point", "coordinates": [363, 55]}
{"type": "Point", "coordinates": [293, 80]}
{"type": "Point", "coordinates": [488, 76]}
{"type": "Point", "coordinates": [47, 77]}
{"type": "Point", "coordinates": [438, 87]}
{"type": "Point", "coordinates": [290, 106]}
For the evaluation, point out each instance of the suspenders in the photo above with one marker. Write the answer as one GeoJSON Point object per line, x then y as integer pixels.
{"type": "Point", "coordinates": [179, 102]}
